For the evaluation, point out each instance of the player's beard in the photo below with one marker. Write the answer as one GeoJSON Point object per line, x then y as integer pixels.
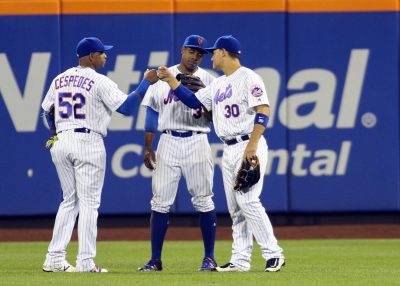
{"type": "Point", "coordinates": [191, 66]}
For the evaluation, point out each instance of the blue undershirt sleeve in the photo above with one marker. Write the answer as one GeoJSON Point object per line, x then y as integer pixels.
{"type": "Point", "coordinates": [187, 97]}
{"type": "Point", "coordinates": [133, 100]}
{"type": "Point", "coordinates": [151, 122]}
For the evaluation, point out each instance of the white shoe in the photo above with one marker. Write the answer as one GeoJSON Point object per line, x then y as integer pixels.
{"type": "Point", "coordinates": [274, 264]}
{"type": "Point", "coordinates": [229, 267]}
{"type": "Point", "coordinates": [66, 267]}
{"type": "Point", "coordinates": [98, 269]}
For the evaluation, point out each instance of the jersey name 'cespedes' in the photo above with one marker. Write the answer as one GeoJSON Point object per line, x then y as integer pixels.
{"type": "Point", "coordinates": [83, 98]}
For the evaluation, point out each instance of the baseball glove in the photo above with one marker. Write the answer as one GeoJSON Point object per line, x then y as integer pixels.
{"type": "Point", "coordinates": [50, 142]}
{"type": "Point", "coordinates": [247, 176]}
{"type": "Point", "coordinates": [193, 83]}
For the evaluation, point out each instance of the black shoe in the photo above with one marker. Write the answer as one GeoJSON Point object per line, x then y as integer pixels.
{"type": "Point", "coordinates": [274, 264]}
{"type": "Point", "coordinates": [152, 265]}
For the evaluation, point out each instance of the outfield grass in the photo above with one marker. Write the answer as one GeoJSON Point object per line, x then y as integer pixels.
{"type": "Point", "coordinates": [309, 262]}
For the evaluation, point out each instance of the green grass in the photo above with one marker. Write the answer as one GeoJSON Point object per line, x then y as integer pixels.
{"type": "Point", "coordinates": [309, 262]}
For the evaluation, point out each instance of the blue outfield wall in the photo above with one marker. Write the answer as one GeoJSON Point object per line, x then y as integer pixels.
{"type": "Point", "coordinates": [332, 80]}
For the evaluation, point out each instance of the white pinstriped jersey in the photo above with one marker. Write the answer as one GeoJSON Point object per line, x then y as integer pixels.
{"type": "Point", "coordinates": [232, 100]}
{"type": "Point", "coordinates": [83, 98]}
{"type": "Point", "coordinates": [173, 114]}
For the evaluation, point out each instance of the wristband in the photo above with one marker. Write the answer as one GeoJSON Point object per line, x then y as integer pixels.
{"type": "Point", "coordinates": [261, 119]}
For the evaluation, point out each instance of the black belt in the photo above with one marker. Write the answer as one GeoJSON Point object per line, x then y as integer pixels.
{"type": "Point", "coordinates": [234, 140]}
{"type": "Point", "coordinates": [79, 130]}
{"type": "Point", "coordinates": [181, 134]}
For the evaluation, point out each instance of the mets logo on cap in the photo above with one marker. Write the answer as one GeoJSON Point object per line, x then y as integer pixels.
{"type": "Point", "coordinates": [200, 40]}
{"type": "Point", "coordinates": [256, 91]}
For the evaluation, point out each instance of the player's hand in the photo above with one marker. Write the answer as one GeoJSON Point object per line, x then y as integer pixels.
{"type": "Point", "coordinates": [165, 75]}
{"type": "Point", "coordinates": [250, 152]}
{"type": "Point", "coordinates": [149, 159]}
{"type": "Point", "coordinates": [151, 75]}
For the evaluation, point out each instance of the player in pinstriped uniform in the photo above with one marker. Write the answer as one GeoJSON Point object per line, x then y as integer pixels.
{"type": "Point", "coordinates": [183, 150]}
{"type": "Point", "coordinates": [78, 107]}
{"type": "Point", "coordinates": [240, 109]}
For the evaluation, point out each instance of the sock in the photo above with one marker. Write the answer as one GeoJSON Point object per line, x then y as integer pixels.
{"type": "Point", "coordinates": [208, 223]}
{"type": "Point", "coordinates": [158, 226]}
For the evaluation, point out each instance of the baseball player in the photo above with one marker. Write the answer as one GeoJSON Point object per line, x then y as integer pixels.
{"type": "Point", "coordinates": [183, 150]}
{"type": "Point", "coordinates": [240, 110]}
{"type": "Point", "coordinates": [78, 107]}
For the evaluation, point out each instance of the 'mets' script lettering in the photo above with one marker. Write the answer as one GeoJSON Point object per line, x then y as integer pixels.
{"type": "Point", "coordinates": [171, 97]}
{"type": "Point", "coordinates": [221, 96]}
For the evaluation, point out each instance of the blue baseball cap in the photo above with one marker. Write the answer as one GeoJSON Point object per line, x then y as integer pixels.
{"type": "Point", "coordinates": [229, 43]}
{"type": "Point", "coordinates": [196, 42]}
{"type": "Point", "coordinates": [90, 45]}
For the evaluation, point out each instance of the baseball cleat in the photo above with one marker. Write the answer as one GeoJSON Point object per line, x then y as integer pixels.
{"type": "Point", "coordinates": [66, 267]}
{"type": "Point", "coordinates": [274, 264]}
{"type": "Point", "coordinates": [152, 265]}
{"type": "Point", "coordinates": [229, 267]}
{"type": "Point", "coordinates": [208, 264]}
{"type": "Point", "coordinates": [98, 269]}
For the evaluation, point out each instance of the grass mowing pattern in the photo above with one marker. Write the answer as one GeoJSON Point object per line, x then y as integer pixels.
{"type": "Point", "coordinates": [309, 262]}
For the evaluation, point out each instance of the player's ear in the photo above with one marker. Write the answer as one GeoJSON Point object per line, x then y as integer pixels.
{"type": "Point", "coordinates": [91, 56]}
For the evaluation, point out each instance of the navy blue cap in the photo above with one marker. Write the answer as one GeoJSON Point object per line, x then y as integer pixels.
{"type": "Point", "coordinates": [196, 42]}
{"type": "Point", "coordinates": [90, 45]}
{"type": "Point", "coordinates": [229, 43]}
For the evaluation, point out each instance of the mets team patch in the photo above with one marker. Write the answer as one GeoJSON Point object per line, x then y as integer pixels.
{"type": "Point", "coordinates": [256, 91]}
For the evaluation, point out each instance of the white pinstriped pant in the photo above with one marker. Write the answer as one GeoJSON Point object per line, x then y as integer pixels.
{"type": "Point", "coordinates": [248, 214]}
{"type": "Point", "coordinates": [189, 157]}
{"type": "Point", "coordinates": [80, 161]}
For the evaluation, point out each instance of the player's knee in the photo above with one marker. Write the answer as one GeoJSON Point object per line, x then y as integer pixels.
{"type": "Point", "coordinates": [89, 203]}
{"type": "Point", "coordinates": [203, 204]}
{"type": "Point", "coordinates": [248, 207]}
{"type": "Point", "coordinates": [161, 208]}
